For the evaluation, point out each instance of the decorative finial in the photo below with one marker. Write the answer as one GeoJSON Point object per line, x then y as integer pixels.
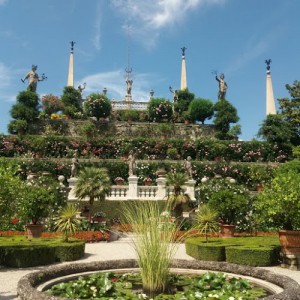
{"type": "Point", "coordinates": [104, 90]}
{"type": "Point", "coordinates": [268, 62]}
{"type": "Point", "coordinates": [72, 45]}
{"type": "Point", "coordinates": [183, 50]}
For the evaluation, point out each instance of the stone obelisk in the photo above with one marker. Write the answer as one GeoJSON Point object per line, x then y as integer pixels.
{"type": "Point", "coordinates": [183, 84]}
{"type": "Point", "coordinates": [71, 66]}
{"type": "Point", "coordinates": [270, 101]}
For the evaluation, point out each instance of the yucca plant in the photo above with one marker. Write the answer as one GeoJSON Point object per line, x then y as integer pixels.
{"type": "Point", "coordinates": [153, 243]}
{"type": "Point", "coordinates": [67, 222]}
{"type": "Point", "coordinates": [177, 197]}
{"type": "Point", "coordinates": [206, 220]}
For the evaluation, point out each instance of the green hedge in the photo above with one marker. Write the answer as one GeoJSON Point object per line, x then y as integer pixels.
{"type": "Point", "coordinates": [250, 251]}
{"type": "Point", "coordinates": [205, 251]}
{"type": "Point", "coordinates": [20, 252]}
{"type": "Point", "coordinates": [256, 257]}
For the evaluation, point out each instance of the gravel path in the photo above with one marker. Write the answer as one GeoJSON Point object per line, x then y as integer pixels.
{"type": "Point", "coordinates": [120, 249]}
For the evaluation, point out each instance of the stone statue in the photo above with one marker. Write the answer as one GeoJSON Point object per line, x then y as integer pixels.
{"type": "Point", "coordinates": [183, 50]}
{"type": "Point", "coordinates": [33, 79]}
{"type": "Point", "coordinates": [81, 88]}
{"type": "Point", "coordinates": [268, 62]}
{"type": "Point", "coordinates": [129, 86]}
{"type": "Point", "coordinates": [175, 97]}
{"type": "Point", "coordinates": [131, 163]}
{"type": "Point", "coordinates": [222, 87]}
{"type": "Point", "coordinates": [74, 166]}
{"type": "Point", "coordinates": [188, 167]}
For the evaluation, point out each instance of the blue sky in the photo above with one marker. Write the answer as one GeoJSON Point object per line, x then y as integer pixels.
{"type": "Point", "coordinates": [233, 37]}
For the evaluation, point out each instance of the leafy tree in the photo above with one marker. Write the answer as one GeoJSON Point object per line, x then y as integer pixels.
{"type": "Point", "coordinates": [93, 183]}
{"type": "Point", "coordinates": [160, 109]}
{"type": "Point", "coordinates": [184, 98]}
{"type": "Point", "coordinates": [97, 105]}
{"type": "Point", "coordinates": [201, 109]}
{"type": "Point", "coordinates": [290, 109]}
{"type": "Point", "coordinates": [26, 108]}
{"type": "Point", "coordinates": [10, 193]}
{"type": "Point", "coordinates": [71, 99]}
{"type": "Point", "coordinates": [225, 114]}
{"type": "Point", "coordinates": [276, 129]}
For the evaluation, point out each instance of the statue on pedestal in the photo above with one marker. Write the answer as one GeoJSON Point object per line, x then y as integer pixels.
{"type": "Point", "coordinates": [129, 86]}
{"type": "Point", "coordinates": [74, 166]}
{"type": "Point", "coordinates": [222, 86]}
{"type": "Point", "coordinates": [131, 164]}
{"type": "Point", "coordinates": [33, 79]}
{"type": "Point", "coordinates": [188, 167]}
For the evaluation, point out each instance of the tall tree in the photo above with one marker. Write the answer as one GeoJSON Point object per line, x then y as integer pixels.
{"type": "Point", "coordinates": [225, 114]}
{"type": "Point", "coordinates": [290, 109]}
{"type": "Point", "coordinates": [71, 99]}
{"type": "Point", "coordinates": [24, 111]}
{"type": "Point", "coordinates": [276, 129]}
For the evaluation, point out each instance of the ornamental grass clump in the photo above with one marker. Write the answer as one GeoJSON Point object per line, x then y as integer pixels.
{"type": "Point", "coordinates": [153, 244]}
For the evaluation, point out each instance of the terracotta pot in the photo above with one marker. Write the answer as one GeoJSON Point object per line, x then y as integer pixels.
{"type": "Point", "coordinates": [227, 231]}
{"type": "Point", "coordinates": [259, 187]}
{"type": "Point", "coordinates": [148, 183]}
{"type": "Point", "coordinates": [290, 241]}
{"type": "Point", "coordinates": [34, 230]}
{"type": "Point", "coordinates": [119, 182]}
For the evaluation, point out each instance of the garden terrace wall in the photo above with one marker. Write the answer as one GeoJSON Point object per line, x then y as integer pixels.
{"type": "Point", "coordinates": [27, 286]}
{"type": "Point", "coordinates": [124, 129]}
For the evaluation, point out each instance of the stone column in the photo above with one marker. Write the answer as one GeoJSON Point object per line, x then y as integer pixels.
{"type": "Point", "coordinates": [270, 102]}
{"type": "Point", "coordinates": [161, 188]}
{"type": "Point", "coordinates": [132, 188]}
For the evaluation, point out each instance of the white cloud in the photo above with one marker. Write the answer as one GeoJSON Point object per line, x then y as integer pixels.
{"type": "Point", "coordinates": [114, 81]}
{"type": "Point", "coordinates": [2, 2]}
{"type": "Point", "coordinates": [5, 76]}
{"type": "Point", "coordinates": [97, 25]}
{"type": "Point", "coordinates": [149, 17]}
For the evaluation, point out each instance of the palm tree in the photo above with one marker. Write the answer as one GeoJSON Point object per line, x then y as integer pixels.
{"type": "Point", "coordinates": [93, 183]}
{"type": "Point", "coordinates": [177, 198]}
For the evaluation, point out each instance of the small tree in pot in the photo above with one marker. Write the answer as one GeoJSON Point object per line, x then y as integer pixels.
{"type": "Point", "coordinates": [279, 206]}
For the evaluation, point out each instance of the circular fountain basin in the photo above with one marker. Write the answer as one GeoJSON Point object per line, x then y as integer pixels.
{"type": "Point", "coordinates": [32, 285]}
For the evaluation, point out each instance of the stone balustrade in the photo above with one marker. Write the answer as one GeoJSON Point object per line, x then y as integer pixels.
{"type": "Point", "coordinates": [133, 191]}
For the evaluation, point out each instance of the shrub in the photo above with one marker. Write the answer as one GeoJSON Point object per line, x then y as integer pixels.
{"type": "Point", "coordinates": [160, 109]}
{"type": "Point", "coordinates": [98, 106]}
{"type": "Point", "coordinates": [51, 104]}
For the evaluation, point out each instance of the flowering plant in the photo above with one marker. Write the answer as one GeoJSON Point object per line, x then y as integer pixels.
{"type": "Point", "coordinates": [118, 179]}
{"type": "Point", "coordinates": [97, 105]}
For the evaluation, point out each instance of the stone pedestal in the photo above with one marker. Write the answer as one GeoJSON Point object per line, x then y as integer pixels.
{"type": "Point", "coordinates": [72, 181]}
{"type": "Point", "coordinates": [290, 261]}
{"type": "Point", "coordinates": [132, 188]}
{"type": "Point", "coordinates": [190, 189]}
{"type": "Point", "coordinates": [161, 188]}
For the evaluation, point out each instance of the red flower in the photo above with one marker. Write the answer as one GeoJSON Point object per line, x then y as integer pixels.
{"type": "Point", "coordinates": [14, 221]}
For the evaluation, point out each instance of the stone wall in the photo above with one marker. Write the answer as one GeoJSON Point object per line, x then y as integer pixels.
{"type": "Point", "coordinates": [124, 129]}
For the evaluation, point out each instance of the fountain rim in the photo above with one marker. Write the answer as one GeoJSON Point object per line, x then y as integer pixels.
{"type": "Point", "coordinates": [29, 285]}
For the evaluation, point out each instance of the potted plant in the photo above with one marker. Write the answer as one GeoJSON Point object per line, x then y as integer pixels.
{"type": "Point", "coordinates": [119, 180]}
{"type": "Point", "coordinates": [99, 216]}
{"type": "Point", "coordinates": [147, 181]}
{"type": "Point", "coordinates": [34, 207]}
{"type": "Point", "coordinates": [229, 199]}
{"type": "Point", "coordinates": [278, 205]}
